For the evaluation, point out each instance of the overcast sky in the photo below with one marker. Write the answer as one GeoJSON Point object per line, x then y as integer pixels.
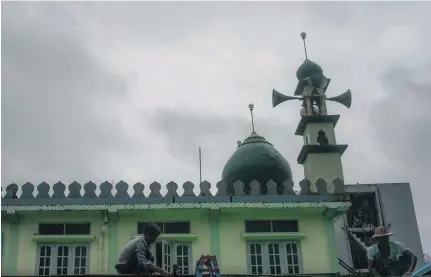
{"type": "Point", "coordinates": [114, 90]}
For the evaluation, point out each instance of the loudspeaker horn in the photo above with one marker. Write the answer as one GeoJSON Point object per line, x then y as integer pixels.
{"type": "Point", "coordinates": [344, 98]}
{"type": "Point", "coordinates": [278, 98]}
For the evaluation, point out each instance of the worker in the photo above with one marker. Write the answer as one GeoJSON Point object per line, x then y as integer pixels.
{"type": "Point", "coordinates": [388, 257]}
{"type": "Point", "coordinates": [136, 256]}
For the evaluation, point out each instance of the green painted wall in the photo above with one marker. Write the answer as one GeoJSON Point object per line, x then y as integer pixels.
{"type": "Point", "coordinates": [13, 242]}
{"type": "Point", "coordinates": [112, 243]}
{"type": "Point", "coordinates": [217, 234]}
{"type": "Point", "coordinates": [314, 246]}
{"type": "Point", "coordinates": [214, 226]}
{"type": "Point", "coordinates": [199, 226]}
{"type": "Point", "coordinates": [27, 248]}
{"type": "Point", "coordinates": [5, 228]}
{"type": "Point", "coordinates": [331, 241]}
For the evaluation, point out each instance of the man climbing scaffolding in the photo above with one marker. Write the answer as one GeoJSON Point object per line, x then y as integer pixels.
{"type": "Point", "coordinates": [136, 256]}
{"type": "Point", "coordinates": [389, 258]}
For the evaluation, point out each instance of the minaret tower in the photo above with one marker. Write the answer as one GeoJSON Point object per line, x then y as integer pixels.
{"type": "Point", "coordinates": [320, 155]}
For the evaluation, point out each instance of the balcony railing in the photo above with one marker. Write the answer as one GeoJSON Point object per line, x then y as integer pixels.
{"type": "Point", "coordinates": [362, 219]}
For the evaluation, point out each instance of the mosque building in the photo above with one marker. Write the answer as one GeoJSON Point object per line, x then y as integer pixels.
{"type": "Point", "coordinates": [256, 224]}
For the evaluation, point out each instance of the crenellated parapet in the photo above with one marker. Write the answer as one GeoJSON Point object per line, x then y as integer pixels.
{"type": "Point", "coordinates": [124, 190]}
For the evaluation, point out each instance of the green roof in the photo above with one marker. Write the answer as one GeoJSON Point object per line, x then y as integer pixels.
{"type": "Point", "coordinates": [256, 160]}
{"type": "Point", "coordinates": [308, 69]}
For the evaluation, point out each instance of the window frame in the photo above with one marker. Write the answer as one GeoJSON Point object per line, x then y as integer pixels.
{"type": "Point", "coordinates": [71, 257]}
{"type": "Point", "coordinates": [173, 254]}
{"type": "Point", "coordinates": [64, 233]}
{"type": "Point", "coordinates": [271, 222]}
{"type": "Point", "coordinates": [165, 265]}
{"type": "Point", "coordinates": [163, 226]}
{"type": "Point", "coordinates": [265, 256]}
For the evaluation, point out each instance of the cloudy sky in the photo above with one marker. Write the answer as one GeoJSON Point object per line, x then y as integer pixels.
{"type": "Point", "coordinates": [129, 91]}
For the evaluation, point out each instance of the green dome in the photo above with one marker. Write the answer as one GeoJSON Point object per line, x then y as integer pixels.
{"type": "Point", "coordinates": [256, 159]}
{"type": "Point", "coordinates": [307, 69]}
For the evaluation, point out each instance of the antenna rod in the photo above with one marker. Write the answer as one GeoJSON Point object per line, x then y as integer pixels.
{"type": "Point", "coordinates": [303, 36]}
{"type": "Point", "coordinates": [251, 107]}
{"type": "Point", "coordinates": [200, 166]}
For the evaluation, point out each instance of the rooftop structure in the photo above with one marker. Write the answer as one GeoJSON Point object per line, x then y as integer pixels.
{"type": "Point", "coordinates": [255, 224]}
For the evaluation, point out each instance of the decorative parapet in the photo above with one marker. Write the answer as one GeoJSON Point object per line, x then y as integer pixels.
{"type": "Point", "coordinates": [107, 193]}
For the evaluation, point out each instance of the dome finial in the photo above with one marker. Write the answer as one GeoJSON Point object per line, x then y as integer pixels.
{"type": "Point", "coordinates": [303, 36]}
{"type": "Point", "coordinates": [251, 107]}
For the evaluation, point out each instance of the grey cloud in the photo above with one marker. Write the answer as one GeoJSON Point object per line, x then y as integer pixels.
{"type": "Point", "coordinates": [55, 102]}
{"type": "Point", "coordinates": [401, 120]}
{"type": "Point", "coordinates": [152, 24]}
{"type": "Point", "coordinates": [184, 131]}
{"type": "Point", "coordinates": [70, 110]}
{"type": "Point", "coordinates": [402, 128]}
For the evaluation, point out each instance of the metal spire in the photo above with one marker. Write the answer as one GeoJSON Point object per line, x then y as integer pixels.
{"type": "Point", "coordinates": [251, 107]}
{"type": "Point", "coordinates": [200, 165]}
{"type": "Point", "coordinates": [303, 36]}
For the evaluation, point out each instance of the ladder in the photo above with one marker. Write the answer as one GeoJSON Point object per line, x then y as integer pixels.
{"type": "Point", "coordinates": [211, 263]}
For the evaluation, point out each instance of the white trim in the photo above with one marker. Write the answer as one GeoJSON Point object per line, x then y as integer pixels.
{"type": "Point", "coordinates": [279, 236]}
{"type": "Point", "coordinates": [189, 256]}
{"type": "Point", "coordinates": [282, 256]}
{"type": "Point", "coordinates": [361, 229]}
{"type": "Point", "coordinates": [173, 254]}
{"type": "Point", "coordinates": [71, 257]}
{"type": "Point", "coordinates": [166, 255]}
{"type": "Point", "coordinates": [63, 238]}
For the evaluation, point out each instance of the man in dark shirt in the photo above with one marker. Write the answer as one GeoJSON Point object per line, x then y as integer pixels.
{"type": "Point", "coordinates": [136, 257]}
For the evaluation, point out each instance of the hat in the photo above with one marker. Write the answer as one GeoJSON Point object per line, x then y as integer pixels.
{"type": "Point", "coordinates": [381, 232]}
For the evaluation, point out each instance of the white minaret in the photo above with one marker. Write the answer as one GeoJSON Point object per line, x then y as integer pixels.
{"type": "Point", "coordinates": [320, 154]}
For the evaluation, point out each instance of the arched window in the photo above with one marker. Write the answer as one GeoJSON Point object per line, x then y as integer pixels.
{"type": "Point", "coordinates": [183, 258]}
{"type": "Point", "coordinates": [62, 259]}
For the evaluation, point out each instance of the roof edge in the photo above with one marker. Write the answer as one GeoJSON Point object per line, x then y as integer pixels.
{"type": "Point", "coordinates": [330, 205]}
